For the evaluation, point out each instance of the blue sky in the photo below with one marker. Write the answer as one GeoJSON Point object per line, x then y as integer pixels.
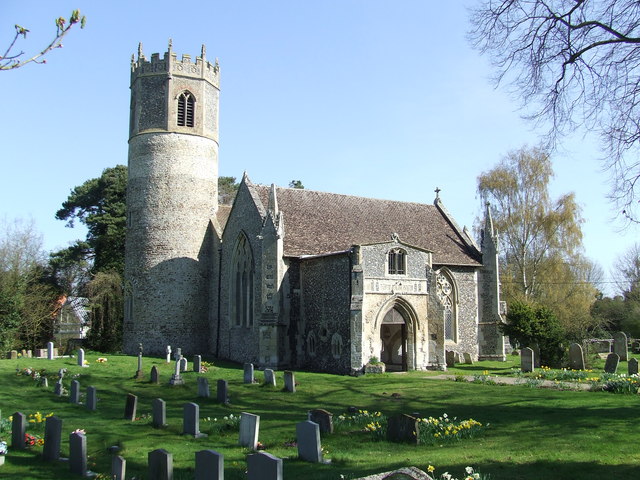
{"type": "Point", "coordinates": [375, 98]}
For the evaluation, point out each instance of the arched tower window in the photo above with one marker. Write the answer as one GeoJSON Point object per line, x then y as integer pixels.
{"type": "Point", "coordinates": [242, 284]}
{"type": "Point", "coordinates": [186, 109]}
{"type": "Point", "coordinates": [397, 261]}
{"type": "Point", "coordinates": [446, 294]}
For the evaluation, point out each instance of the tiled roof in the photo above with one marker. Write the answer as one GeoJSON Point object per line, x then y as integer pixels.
{"type": "Point", "coordinates": [318, 222]}
{"type": "Point", "coordinates": [223, 215]}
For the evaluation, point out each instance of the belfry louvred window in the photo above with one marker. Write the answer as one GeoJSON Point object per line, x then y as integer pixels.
{"type": "Point", "coordinates": [186, 109]}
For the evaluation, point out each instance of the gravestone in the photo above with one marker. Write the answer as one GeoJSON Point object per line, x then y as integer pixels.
{"type": "Point", "coordinates": [611, 365]}
{"type": "Point", "coordinates": [632, 366]}
{"type": "Point", "coordinates": [118, 468]}
{"type": "Point", "coordinates": [29, 354]}
{"type": "Point", "coordinates": [44, 382]}
{"type": "Point", "coordinates": [457, 358]}
{"type": "Point", "coordinates": [78, 454]}
{"type": "Point", "coordinates": [620, 346]}
{"type": "Point", "coordinates": [323, 418]}
{"type": "Point", "coordinates": [159, 413]}
{"type": "Point", "coordinates": [264, 466]}
{"type": "Point", "coordinates": [139, 373]}
{"type": "Point", "coordinates": [527, 360]}
{"type": "Point", "coordinates": [176, 378]}
{"type": "Point", "coordinates": [223, 392]}
{"type": "Point", "coordinates": [74, 394]}
{"type": "Point", "coordinates": [50, 353]}
{"type": "Point", "coordinates": [191, 420]}
{"type": "Point", "coordinates": [576, 357]}
{"type": "Point", "coordinates": [249, 429]}
{"type": "Point", "coordinates": [81, 357]}
{"type": "Point", "coordinates": [407, 473]}
{"type": "Point", "coordinates": [178, 355]}
{"type": "Point", "coordinates": [269, 377]}
{"type": "Point", "coordinates": [92, 399]}
{"type": "Point", "coordinates": [289, 381]}
{"type": "Point", "coordinates": [536, 354]}
{"type": "Point", "coordinates": [248, 373]}
{"type": "Point", "coordinates": [13, 355]}
{"type": "Point", "coordinates": [41, 352]}
{"type": "Point", "coordinates": [61, 372]}
{"type": "Point", "coordinates": [57, 389]}
{"type": "Point", "coordinates": [18, 430]}
{"type": "Point", "coordinates": [203, 387]}
{"type": "Point", "coordinates": [450, 357]}
{"type": "Point", "coordinates": [197, 363]}
{"type": "Point", "coordinates": [130, 407]}
{"type": "Point", "coordinates": [160, 465]}
{"type": "Point", "coordinates": [308, 438]}
{"type": "Point", "coordinates": [209, 465]}
{"type": "Point", "coordinates": [403, 428]}
{"type": "Point", "coordinates": [52, 439]}
{"type": "Point", "coordinates": [168, 351]}
{"type": "Point", "coordinates": [155, 375]}
{"type": "Point", "coordinates": [184, 365]}
{"type": "Point", "coordinates": [468, 359]}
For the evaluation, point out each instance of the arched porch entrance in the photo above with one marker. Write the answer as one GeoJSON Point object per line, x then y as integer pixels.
{"type": "Point", "coordinates": [393, 337]}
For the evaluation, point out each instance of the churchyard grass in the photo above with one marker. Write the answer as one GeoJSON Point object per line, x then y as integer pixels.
{"type": "Point", "coordinates": [528, 433]}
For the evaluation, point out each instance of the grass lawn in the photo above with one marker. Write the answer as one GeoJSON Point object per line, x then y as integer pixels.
{"type": "Point", "coordinates": [533, 433]}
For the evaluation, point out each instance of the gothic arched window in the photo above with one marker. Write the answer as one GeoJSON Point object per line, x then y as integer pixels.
{"type": "Point", "coordinates": [242, 284]}
{"type": "Point", "coordinates": [446, 294]}
{"type": "Point", "coordinates": [186, 109]}
{"type": "Point", "coordinates": [397, 261]}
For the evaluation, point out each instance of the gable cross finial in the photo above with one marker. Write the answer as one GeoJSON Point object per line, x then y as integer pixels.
{"type": "Point", "coordinates": [395, 237]}
{"type": "Point", "coordinates": [170, 44]}
{"type": "Point", "coordinates": [203, 52]}
{"type": "Point", "coordinates": [437, 190]}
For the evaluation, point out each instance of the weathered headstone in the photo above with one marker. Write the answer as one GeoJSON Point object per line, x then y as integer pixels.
{"type": "Point", "coordinates": [118, 468]}
{"type": "Point", "coordinates": [41, 352]}
{"type": "Point", "coordinates": [527, 359]}
{"type": "Point", "coordinates": [269, 377]}
{"type": "Point", "coordinates": [191, 420]}
{"type": "Point", "coordinates": [249, 429]}
{"type": "Point", "coordinates": [139, 372]}
{"type": "Point", "coordinates": [52, 439]}
{"type": "Point", "coordinates": [78, 453]}
{"type": "Point", "coordinates": [403, 428]}
{"type": "Point", "coordinates": [209, 465]}
{"type": "Point", "coordinates": [18, 430]}
{"type": "Point", "coordinates": [576, 356]}
{"type": "Point", "coordinates": [50, 354]}
{"type": "Point", "coordinates": [168, 351]}
{"type": "Point", "coordinates": [184, 365]}
{"type": "Point", "coordinates": [450, 357]}
{"type": "Point", "coordinates": [80, 357]}
{"type": "Point", "coordinates": [61, 373]}
{"type": "Point", "coordinates": [248, 373]}
{"type": "Point", "coordinates": [130, 407]}
{"type": "Point", "coordinates": [536, 354]}
{"type": "Point", "coordinates": [176, 378]}
{"type": "Point", "coordinates": [57, 389]}
{"type": "Point", "coordinates": [74, 393]}
{"type": "Point", "coordinates": [203, 387]}
{"type": "Point", "coordinates": [632, 366]}
{"type": "Point", "coordinates": [264, 466]}
{"type": "Point", "coordinates": [611, 364]}
{"type": "Point", "coordinates": [178, 355]}
{"type": "Point", "coordinates": [222, 392]}
{"type": "Point", "coordinates": [456, 357]}
{"type": "Point", "coordinates": [197, 363]}
{"type": "Point", "coordinates": [159, 413]}
{"type": "Point", "coordinates": [620, 346]}
{"type": "Point", "coordinates": [29, 354]}
{"type": "Point", "coordinates": [289, 381]}
{"type": "Point", "coordinates": [92, 399]}
{"type": "Point", "coordinates": [154, 377]}
{"type": "Point", "coordinates": [406, 473]}
{"type": "Point", "coordinates": [308, 438]}
{"type": "Point", "coordinates": [323, 418]}
{"type": "Point", "coordinates": [44, 382]}
{"type": "Point", "coordinates": [468, 359]}
{"type": "Point", "coordinates": [13, 355]}
{"type": "Point", "coordinates": [160, 465]}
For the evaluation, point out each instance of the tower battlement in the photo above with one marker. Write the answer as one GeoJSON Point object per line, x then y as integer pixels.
{"type": "Point", "coordinates": [170, 65]}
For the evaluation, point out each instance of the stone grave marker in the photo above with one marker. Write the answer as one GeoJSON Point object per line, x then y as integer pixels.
{"type": "Point", "coordinates": [78, 454]}
{"type": "Point", "coordinates": [249, 429]}
{"type": "Point", "coordinates": [203, 387]}
{"type": "Point", "coordinates": [184, 365]}
{"type": "Point", "coordinates": [13, 355]}
{"type": "Point", "coordinates": [44, 382]}
{"type": "Point", "coordinates": [527, 360]}
{"type": "Point", "coordinates": [191, 420]}
{"type": "Point", "coordinates": [308, 439]}
{"type": "Point", "coordinates": [176, 378]}
{"type": "Point", "coordinates": [61, 372]}
{"type": "Point", "coordinates": [223, 392]}
{"type": "Point", "coordinates": [403, 428]}
{"type": "Point", "coordinates": [611, 365]}
{"type": "Point", "coordinates": [57, 389]}
{"type": "Point", "coordinates": [407, 473]}
{"type": "Point", "coordinates": [159, 413]}
{"type": "Point", "coordinates": [130, 407]}
{"type": "Point", "coordinates": [450, 357]}
{"type": "Point", "coordinates": [74, 394]}
{"type": "Point", "coordinates": [118, 468]}
{"type": "Point", "coordinates": [160, 465]}
{"type": "Point", "coordinates": [632, 366]}
{"type": "Point", "coordinates": [50, 352]}
{"type": "Point", "coordinates": [178, 355]}
{"type": "Point", "coordinates": [41, 352]}
{"type": "Point", "coordinates": [197, 363]}
{"type": "Point", "coordinates": [269, 377]}
{"type": "Point", "coordinates": [576, 357]}
{"type": "Point", "coordinates": [80, 357]}
{"type": "Point", "coordinates": [52, 439]}
{"type": "Point", "coordinates": [457, 358]}
{"type": "Point", "coordinates": [323, 418]}
{"type": "Point", "coordinates": [209, 465]}
{"type": "Point", "coordinates": [248, 373]}
{"type": "Point", "coordinates": [92, 399]}
{"type": "Point", "coordinates": [154, 377]}
{"type": "Point", "coordinates": [264, 466]}
{"type": "Point", "coordinates": [620, 346]}
{"type": "Point", "coordinates": [289, 381]}
{"type": "Point", "coordinates": [168, 352]}
{"type": "Point", "coordinates": [29, 354]}
{"type": "Point", "coordinates": [18, 430]}
{"type": "Point", "coordinates": [139, 373]}
{"type": "Point", "coordinates": [468, 359]}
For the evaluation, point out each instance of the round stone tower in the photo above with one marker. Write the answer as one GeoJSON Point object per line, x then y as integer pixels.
{"type": "Point", "coordinates": [172, 195]}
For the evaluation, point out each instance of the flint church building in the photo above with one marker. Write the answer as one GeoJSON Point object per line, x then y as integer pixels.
{"type": "Point", "coordinates": [286, 278]}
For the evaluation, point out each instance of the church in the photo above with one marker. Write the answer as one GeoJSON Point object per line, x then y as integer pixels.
{"type": "Point", "coordinates": [286, 278]}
